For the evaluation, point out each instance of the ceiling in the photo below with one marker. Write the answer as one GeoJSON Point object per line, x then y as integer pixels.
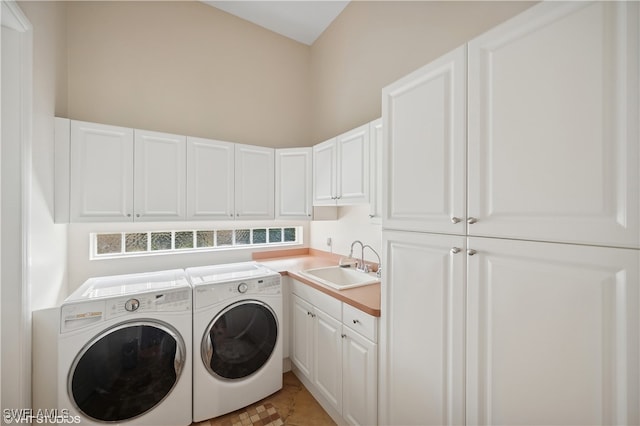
{"type": "Point", "coordinates": [302, 21]}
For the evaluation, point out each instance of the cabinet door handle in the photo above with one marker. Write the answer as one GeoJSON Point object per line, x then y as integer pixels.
{"type": "Point", "coordinates": [471, 252]}
{"type": "Point", "coordinates": [455, 250]}
{"type": "Point", "coordinates": [471, 220]}
{"type": "Point", "coordinates": [355, 321]}
{"type": "Point", "coordinates": [128, 214]}
{"type": "Point", "coordinates": [343, 335]}
{"type": "Point", "coordinates": [137, 214]}
{"type": "Point", "coordinates": [455, 219]}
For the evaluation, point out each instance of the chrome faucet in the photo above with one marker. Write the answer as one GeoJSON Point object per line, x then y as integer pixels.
{"type": "Point", "coordinates": [362, 266]}
{"type": "Point", "coordinates": [366, 268]}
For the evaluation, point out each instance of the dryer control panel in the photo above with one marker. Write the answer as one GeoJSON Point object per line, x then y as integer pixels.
{"type": "Point", "coordinates": [211, 294]}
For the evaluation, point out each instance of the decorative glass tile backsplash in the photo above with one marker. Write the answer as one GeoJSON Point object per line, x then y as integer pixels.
{"type": "Point", "coordinates": [117, 244]}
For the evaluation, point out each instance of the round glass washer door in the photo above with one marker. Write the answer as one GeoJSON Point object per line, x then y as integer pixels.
{"type": "Point", "coordinates": [126, 371]}
{"type": "Point", "coordinates": [240, 340]}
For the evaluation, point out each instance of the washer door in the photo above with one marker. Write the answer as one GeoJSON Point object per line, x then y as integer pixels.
{"type": "Point", "coordinates": [126, 371]}
{"type": "Point", "coordinates": [240, 339]}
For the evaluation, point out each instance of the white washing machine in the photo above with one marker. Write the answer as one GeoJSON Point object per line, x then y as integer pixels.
{"type": "Point", "coordinates": [237, 339]}
{"type": "Point", "coordinates": [124, 350]}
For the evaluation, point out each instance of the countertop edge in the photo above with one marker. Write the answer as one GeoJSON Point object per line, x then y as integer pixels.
{"type": "Point", "coordinates": [366, 298]}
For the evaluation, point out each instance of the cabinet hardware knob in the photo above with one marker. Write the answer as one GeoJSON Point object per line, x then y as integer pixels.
{"type": "Point", "coordinates": [137, 214]}
{"type": "Point", "coordinates": [455, 250]}
{"type": "Point", "coordinates": [343, 335]}
{"type": "Point", "coordinates": [355, 321]}
{"type": "Point", "coordinates": [128, 214]}
{"type": "Point", "coordinates": [472, 220]}
{"type": "Point", "coordinates": [471, 252]}
{"type": "Point", "coordinates": [455, 219]}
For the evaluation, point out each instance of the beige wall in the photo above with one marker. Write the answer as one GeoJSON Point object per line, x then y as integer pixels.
{"type": "Point", "coordinates": [186, 68]}
{"type": "Point", "coordinates": [373, 43]}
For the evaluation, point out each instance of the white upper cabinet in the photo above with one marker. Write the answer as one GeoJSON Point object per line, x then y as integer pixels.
{"type": "Point", "coordinates": [210, 179]}
{"type": "Point", "coordinates": [341, 169]}
{"type": "Point", "coordinates": [254, 182]}
{"type": "Point", "coordinates": [552, 334]}
{"type": "Point", "coordinates": [101, 175]}
{"type": "Point", "coordinates": [553, 125]}
{"type": "Point", "coordinates": [375, 170]}
{"type": "Point", "coordinates": [353, 166]}
{"type": "Point", "coordinates": [160, 176]}
{"type": "Point", "coordinates": [325, 173]}
{"type": "Point", "coordinates": [424, 118]}
{"type": "Point", "coordinates": [293, 183]}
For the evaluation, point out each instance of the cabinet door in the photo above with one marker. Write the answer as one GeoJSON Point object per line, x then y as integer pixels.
{"type": "Point", "coordinates": [422, 329]}
{"type": "Point", "coordinates": [375, 171]}
{"type": "Point", "coordinates": [553, 125]}
{"type": "Point", "coordinates": [302, 335]}
{"type": "Point", "coordinates": [552, 334]}
{"type": "Point", "coordinates": [210, 179]}
{"type": "Point", "coordinates": [353, 166]}
{"type": "Point", "coordinates": [325, 162]}
{"type": "Point", "coordinates": [424, 120]}
{"type": "Point", "coordinates": [293, 183]}
{"type": "Point", "coordinates": [160, 176]}
{"type": "Point", "coordinates": [327, 371]}
{"type": "Point", "coordinates": [101, 173]}
{"type": "Point", "coordinates": [360, 379]}
{"type": "Point", "coordinates": [255, 175]}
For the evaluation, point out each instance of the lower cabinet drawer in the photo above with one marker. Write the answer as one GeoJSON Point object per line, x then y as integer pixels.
{"type": "Point", "coordinates": [360, 322]}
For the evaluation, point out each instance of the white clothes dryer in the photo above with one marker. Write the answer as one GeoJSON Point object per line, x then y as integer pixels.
{"type": "Point", "coordinates": [237, 339]}
{"type": "Point", "coordinates": [124, 350]}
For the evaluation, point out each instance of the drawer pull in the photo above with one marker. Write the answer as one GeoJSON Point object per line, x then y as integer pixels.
{"type": "Point", "coordinates": [355, 321]}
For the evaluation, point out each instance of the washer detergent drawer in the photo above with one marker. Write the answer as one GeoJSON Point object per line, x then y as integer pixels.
{"type": "Point", "coordinates": [77, 316]}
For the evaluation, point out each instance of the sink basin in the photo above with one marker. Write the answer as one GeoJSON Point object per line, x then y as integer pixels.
{"type": "Point", "coordinates": [340, 278]}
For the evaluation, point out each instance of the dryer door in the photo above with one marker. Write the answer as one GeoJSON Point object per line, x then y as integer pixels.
{"type": "Point", "coordinates": [126, 371]}
{"type": "Point", "coordinates": [240, 339]}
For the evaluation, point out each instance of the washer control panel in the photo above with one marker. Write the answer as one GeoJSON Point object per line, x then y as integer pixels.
{"type": "Point", "coordinates": [84, 314]}
{"type": "Point", "coordinates": [168, 301]}
{"type": "Point", "coordinates": [209, 294]}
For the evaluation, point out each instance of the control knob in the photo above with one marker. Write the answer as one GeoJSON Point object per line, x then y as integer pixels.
{"type": "Point", "coordinates": [132, 305]}
{"type": "Point", "coordinates": [243, 287]}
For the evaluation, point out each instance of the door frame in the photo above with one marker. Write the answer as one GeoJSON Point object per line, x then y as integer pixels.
{"type": "Point", "coordinates": [14, 19]}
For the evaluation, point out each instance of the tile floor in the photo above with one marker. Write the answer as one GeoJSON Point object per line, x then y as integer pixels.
{"type": "Point", "coordinates": [292, 405]}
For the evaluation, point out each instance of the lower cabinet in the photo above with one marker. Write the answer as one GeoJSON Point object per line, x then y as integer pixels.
{"type": "Point", "coordinates": [334, 348]}
{"type": "Point", "coordinates": [484, 331]}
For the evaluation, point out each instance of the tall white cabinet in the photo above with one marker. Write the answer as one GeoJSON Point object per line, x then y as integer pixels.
{"type": "Point", "coordinates": [513, 261]}
{"type": "Point", "coordinates": [553, 126]}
